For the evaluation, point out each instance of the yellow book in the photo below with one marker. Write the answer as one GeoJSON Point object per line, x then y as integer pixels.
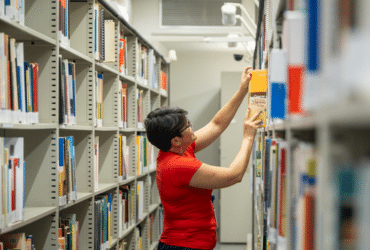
{"type": "Point", "coordinates": [257, 101]}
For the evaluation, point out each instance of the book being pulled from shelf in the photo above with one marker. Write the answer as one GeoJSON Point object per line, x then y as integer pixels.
{"type": "Point", "coordinates": [67, 170]}
{"type": "Point", "coordinates": [102, 225]}
{"type": "Point", "coordinates": [122, 100]}
{"type": "Point", "coordinates": [18, 84]}
{"type": "Point", "coordinates": [67, 92]}
{"type": "Point", "coordinates": [98, 122]}
{"type": "Point", "coordinates": [257, 101]}
{"type": "Point", "coordinates": [124, 150]}
{"type": "Point", "coordinates": [16, 241]}
{"type": "Point", "coordinates": [68, 232]}
{"type": "Point", "coordinates": [12, 10]}
{"type": "Point", "coordinates": [12, 180]}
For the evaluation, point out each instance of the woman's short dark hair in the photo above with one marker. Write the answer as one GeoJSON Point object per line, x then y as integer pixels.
{"type": "Point", "coordinates": [163, 124]}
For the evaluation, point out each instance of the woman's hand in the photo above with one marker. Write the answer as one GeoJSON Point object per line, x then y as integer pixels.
{"type": "Point", "coordinates": [246, 77]}
{"type": "Point", "coordinates": [251, 124]}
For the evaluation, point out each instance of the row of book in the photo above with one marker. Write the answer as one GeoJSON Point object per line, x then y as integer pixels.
{"type": "Point", "coordinates": [18, 84]}
{"type": "Point", "coordinates": [67, 92]}
{"type": "Point", "coordinates": [271, 178]}
{"type": "Point", "coordinates": [19, 241]}
{"type": "Point", "coordinates": [102, 224]}
{"type": "Point", "coordinates": [122, 47]}
{"type": "Point", "coordinates": [68, 233]}
{"type": "Point", "coordinates": [124, 158]}
{"type": "Point", "coordinates": [67, 170]}
{"type": "Point", "coordinates": [104, 37]}
{"type": "Point", "coordinates": [12, 10]}
{"type": "Point", "coordinates": [126, 205]}
{"type": "Point", "coordinates": [145, 158]}
{"type": "Point", "coordinates": [12, 180]}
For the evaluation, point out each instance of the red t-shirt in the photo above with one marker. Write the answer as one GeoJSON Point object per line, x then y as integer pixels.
{"type": "Point", "coordinates": [189, 218]}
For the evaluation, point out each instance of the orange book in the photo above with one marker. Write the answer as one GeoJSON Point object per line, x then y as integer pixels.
{"type": "Point", "coordinates": [257, 100]}
{"type": "Point", "coordinates": [295, 85]}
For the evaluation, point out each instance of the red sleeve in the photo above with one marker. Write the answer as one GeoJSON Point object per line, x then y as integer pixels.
{"type": "Point", "coordinates": [183, 169]}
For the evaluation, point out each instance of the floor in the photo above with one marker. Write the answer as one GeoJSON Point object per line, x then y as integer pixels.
{"type": "Point", "coordinates": [230, 246]}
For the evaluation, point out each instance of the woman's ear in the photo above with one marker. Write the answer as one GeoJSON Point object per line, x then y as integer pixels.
{"type": "Point", "coordinates": [175, 142]}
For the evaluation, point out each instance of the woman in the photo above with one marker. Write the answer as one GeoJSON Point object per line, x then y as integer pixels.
{"type": "Point", "coordinates": [185, 184]}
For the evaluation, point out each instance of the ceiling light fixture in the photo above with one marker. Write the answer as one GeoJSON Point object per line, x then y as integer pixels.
{"type": "Point", "coordinates": [229, 17]}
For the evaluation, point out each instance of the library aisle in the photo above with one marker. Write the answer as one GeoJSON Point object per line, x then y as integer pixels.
{"type": "Point", "coordinates": [77, 171]}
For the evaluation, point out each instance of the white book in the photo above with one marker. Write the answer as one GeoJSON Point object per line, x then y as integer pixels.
{"type": "Point", "coordinates": [295, 37]}
{"type": "Point", "coordinates": [3, 78]}
{"type": "Point", "coordinates": [20, 11]}
{"type": "Point", "coordinates": [96, 164]}
{"type": "Point", "coordinates": [2, 9]}
{"type": "Point", "coordinates": [109, 38]}
{"type": "Point", "coordinates": [16, 150]}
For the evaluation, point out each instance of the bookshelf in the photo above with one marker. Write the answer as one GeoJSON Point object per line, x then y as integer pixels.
{"type": "Point", "coordinates": [312, 194]}
{"type": "Point", "coordinates": [108, 189]}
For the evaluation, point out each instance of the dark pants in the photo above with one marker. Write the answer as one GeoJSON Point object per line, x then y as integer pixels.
{"type": "Point", "coordinates": [162, 246]}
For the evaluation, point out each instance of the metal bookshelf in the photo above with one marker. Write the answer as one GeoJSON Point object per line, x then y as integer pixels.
{"type": "Point", "coordinates": [42, 45]}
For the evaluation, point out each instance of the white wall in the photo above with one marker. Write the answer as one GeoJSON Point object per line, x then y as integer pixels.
{"type": "Point", "coordinates": [195, 86]}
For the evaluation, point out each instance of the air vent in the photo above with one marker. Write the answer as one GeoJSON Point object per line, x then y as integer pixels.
{"type": "Point", "coordinates": [192, 12]}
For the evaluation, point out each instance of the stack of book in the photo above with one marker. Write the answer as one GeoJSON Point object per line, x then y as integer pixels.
{"type": "Point", "coordinates": [102, 226]}
{"type": "Point", "coordinates": [67, 170]}
{"type": "Point", "coordinates": [18, 84]}
{"type": "Point", "coordinates": [67, 92]}
{"type": "Point", "coordinates": [68, 233]}
{"type": "Point", "coordinates": [12, 180]}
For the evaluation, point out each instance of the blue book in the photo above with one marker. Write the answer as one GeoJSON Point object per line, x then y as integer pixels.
{"type": "Point", "coordinates": [19, 85]}
{"type": "Point", "coordinates": [266, 175]}
{"type": "Point", "coordinates": [313, 45]}
{"type": "Point", "coordinates": [26, 72]}
{"type": "Point", "coordinates": [32, 87]}
{"type": "Point", "coordinates": [61, 152]}
{"type": "Point", "coordinates": [278, 100]}
{"type": "Point", "coordinates": [72, 155]}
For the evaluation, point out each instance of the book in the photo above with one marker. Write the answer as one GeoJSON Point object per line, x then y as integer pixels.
{"type": "Point", "coordinates": [257, 100]}
{"type": "Point", "coordinates": [109, 27]}
{"type": "Point", "coordinates": [13, 240]}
